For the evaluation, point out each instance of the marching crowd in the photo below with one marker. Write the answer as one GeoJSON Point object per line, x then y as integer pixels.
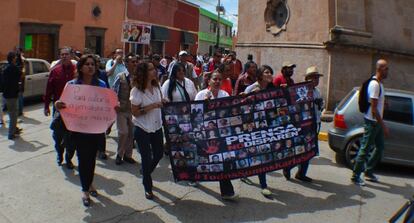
{"type": "Point", "coordinates": [143, 85]}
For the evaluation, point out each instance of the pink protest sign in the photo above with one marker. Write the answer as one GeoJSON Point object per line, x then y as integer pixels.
{"type": "Point", "coordinates": [89, 109]}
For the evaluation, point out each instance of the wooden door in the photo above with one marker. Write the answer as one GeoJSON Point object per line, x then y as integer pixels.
{"type": "Point", "coordinates": [42, 47]}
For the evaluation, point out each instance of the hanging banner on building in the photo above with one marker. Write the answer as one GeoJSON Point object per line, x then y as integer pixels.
{"type": "Point", "coordinates": [89, 109]}
{"type": "Point", "coordinates": [133, 32]}
{"type": "Point", "coordinates": [238, 136]}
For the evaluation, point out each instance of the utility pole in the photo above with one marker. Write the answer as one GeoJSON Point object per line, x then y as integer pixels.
{"type": "Point", "coordinates": [218, 9]}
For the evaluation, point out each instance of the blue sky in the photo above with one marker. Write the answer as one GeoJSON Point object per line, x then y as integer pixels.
{"type": "Point", "coordinates": [231, 7]}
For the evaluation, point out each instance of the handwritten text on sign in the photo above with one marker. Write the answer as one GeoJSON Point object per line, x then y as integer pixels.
{"type": "Point", "coordinates": [89, 109]}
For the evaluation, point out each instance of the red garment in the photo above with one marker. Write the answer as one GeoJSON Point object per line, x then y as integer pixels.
{"type": "Point", "coordinates": [212, 65]}
{"type": "Point", "coordinates": [237, 69]}
{"type": "Point", "coordinates": [58, 78]}
{"type": "Point", "coordinates": [197, 70]}
{"type": "Point", "coordinates": [226, 86]}
{"type": "Point", "coordinates": [280, 79]}
{"type": "Point", "coordinates": [243, 82]}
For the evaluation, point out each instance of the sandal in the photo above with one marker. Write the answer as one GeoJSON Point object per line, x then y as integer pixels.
{"type": "Point", "coordinates": [86, 201]}
{"type": "Point", "coordinates": [92, 191]}
{"type": "Point", "coordinates": [149, 195]}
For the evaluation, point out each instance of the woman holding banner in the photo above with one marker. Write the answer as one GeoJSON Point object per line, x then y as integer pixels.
{"type": "Point", "coordinates": [86, 144]}
{"type": "Point", "coordinates": [212, 92]}
{"type": "Point", "coordinates": [178, 88]}
{"type": "Point", "coordinates": [146, 102]}
{"type": "Point", "coordinates": [264, 78]}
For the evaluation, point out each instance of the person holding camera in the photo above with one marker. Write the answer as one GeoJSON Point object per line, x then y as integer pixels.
{"type": "Point", "coordinates": [115, 66]}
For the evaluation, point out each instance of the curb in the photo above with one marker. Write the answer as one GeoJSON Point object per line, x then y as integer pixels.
{"type": "Point", "coordinates": [323, 136]}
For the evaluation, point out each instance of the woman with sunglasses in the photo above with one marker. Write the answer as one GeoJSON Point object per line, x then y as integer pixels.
{"type": "Point", "coordinates": [146, 102]}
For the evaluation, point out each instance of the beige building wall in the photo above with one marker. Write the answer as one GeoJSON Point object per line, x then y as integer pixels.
{"type": "Point", "coordinates": [344, 38]}
{"type": "Point", "coordinates": [389, 23]}
{"type": "Point", "coordinates": [308, 22]}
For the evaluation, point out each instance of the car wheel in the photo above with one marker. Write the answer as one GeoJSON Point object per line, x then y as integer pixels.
{"type": "Point", "coordinates": [351, 151]}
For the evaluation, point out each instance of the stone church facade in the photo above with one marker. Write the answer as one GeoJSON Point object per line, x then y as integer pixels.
{"type": "Point", "coordinates": [344, 38]}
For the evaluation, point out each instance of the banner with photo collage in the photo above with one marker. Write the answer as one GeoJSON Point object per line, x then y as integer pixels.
{"type": "Point", "coordinates": [236, 137]}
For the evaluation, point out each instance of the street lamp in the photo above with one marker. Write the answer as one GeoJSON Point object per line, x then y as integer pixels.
{"type": "Point", "coordinates": [219, 9]}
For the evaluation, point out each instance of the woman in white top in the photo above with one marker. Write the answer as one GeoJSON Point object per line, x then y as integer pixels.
{"type": "Point", "coordinates": [146, 103]}
{"type": "Point", "coordinates": [213, 92]}
{"type": "Point", "coordinates": [179, 88]}
{"type": "Point", "coordinates": [264, 78]}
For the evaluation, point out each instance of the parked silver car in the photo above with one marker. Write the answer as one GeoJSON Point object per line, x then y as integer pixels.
{"type": "Point", "coordinates": [345, 135]}
{"type": "Point", "coordinates": [37, 73]}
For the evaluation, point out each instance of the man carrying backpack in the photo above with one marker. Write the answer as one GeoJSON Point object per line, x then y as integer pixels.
{"type": "Point", "coordinates": [375, 128]}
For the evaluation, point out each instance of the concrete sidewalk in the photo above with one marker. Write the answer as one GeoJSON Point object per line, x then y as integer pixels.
{"type": "Point", "coordinates": [34, 189]}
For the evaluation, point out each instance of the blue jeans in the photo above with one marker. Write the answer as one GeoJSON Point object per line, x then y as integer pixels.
{"type": "Point", "coordinates": [151, 148]}
{"type": "Point", "coordinates": [21, 105]}
{"type": "Point", "coordinates": [12, 110]}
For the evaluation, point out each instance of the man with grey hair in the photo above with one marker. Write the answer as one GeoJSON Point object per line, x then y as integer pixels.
{"type": "Point", "coordinates": [59, 75]}
{"type": "Point", "coordinates": [375, 129]}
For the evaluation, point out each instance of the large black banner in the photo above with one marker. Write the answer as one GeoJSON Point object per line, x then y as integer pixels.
{"type": "Point", "coordinates": [236, 137]}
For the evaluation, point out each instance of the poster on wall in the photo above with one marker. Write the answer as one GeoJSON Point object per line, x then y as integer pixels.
{"type": "Point", "coordinates": [236, 137]}
{"type": "Point", "coordinates": [133, 32]}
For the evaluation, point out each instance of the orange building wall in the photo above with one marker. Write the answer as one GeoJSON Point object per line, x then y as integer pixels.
{"type": "Point", "coordinates": [9, 37]}
{"type": "Point", "coordinates": [73, 15]}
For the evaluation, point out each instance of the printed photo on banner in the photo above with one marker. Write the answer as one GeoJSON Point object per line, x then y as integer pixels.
{"type": "Point", "coordinates": [136, 33]}
{"type": "Point", "coordinates": [236, 137]}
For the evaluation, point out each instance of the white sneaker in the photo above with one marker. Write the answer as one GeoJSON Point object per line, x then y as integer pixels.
{"type": "Point", "coordinates": [371, 177]}
{"type": "Point", "coordinates": [229, 197]}
{"type": "Point", "coordinates": [193, 183]}
{"type": "Point", "coordinates": [266, 192]}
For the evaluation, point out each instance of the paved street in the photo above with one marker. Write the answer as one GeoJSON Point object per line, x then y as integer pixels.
{"type": "Point", "coordinates": [34, 189]}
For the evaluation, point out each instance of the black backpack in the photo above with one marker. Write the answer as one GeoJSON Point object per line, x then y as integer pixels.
{"type": "Point", "coordinates": [363, 100]}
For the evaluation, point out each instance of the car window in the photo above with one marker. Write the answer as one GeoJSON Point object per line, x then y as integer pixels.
{"type": "Point", "coordinates": [39, 67]}
{"type": "Point", "coordinates": [398, 109]}
{"type": "Point", "coordinates": [26, 68]}
{"type": "Point", "coordinates": [346, 99]}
